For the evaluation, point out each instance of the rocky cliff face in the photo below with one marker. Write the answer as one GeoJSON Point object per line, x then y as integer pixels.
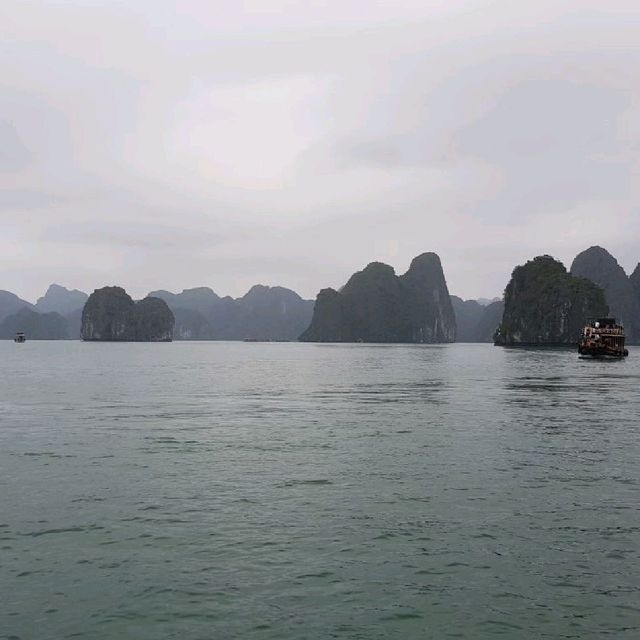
{"type": "Point", "coordinates": [431, 315]}
{"type": "Point", "coordinates": [634, 279]}
{"type": "Point", "coordinates": [476, 322]}
{"type": "Point", "coordinates": [545, 305]}
{"type": "Point", "coordinates": [36, 326]}
{"type": "Point", "coordinates": [263, 313]}
{"type": "Point", "coordinates": [599, 266]}
{"type": "Point", "coordinates": [111, 315]}
{"type": "Point", "coordinates": [377, 306]}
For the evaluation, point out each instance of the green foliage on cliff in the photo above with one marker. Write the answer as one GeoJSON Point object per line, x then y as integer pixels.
{"type": "Point", "coordinates": [110, 315]}
{"type": "Point", "coordinates": [377, 306]}
{"type": "Point", "coordinates": [546, 305]}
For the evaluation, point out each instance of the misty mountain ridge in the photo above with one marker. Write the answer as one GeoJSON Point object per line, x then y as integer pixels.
{"type": "Point", "coordinates": [600, 267]}
{"type": "Point", "coordinates": [263, 313]}
{"type": "Point", "coordinates": [37, 326]}
{"type": "Point", "coordinates": [11, 304]}
{"type": "Point", "coordinates": [485, 302]}
{"type": "Point", "coordinates": [374, 305]}
{"type": "Point", "coordinates": [61, 300]}
{"type": "Point", "coordinates": [477, 321]}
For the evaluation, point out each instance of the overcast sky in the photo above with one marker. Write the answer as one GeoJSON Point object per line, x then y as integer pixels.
{"type": "Point", "coordinates": [225, 143]}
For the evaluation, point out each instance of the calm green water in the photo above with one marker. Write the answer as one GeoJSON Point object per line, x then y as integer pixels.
{"type": "Point", "coordinates": [232, 490]}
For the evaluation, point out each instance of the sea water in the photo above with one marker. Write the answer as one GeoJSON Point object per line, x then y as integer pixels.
{"type": "Point", "coordinates": [274, 491]}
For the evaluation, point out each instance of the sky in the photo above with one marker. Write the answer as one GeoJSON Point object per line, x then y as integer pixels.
{"type": "Point", "coordinates": [155, 144]}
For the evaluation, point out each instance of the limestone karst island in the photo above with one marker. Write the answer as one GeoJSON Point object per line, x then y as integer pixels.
{"type": "Point", "coordinates": [543, 304]}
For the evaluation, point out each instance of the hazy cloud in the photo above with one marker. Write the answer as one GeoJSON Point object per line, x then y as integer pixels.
{"type": "Point", "coordinates": [174, 144]}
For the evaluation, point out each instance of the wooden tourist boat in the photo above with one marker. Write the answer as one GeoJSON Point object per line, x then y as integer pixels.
{"type": "Point", "coordinates": [603, 338]}
{"type": "Point", "coordinates": [20, 337]}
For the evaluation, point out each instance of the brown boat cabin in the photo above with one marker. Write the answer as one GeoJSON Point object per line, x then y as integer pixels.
{"type": "Point", "coordinates": [603, 338]}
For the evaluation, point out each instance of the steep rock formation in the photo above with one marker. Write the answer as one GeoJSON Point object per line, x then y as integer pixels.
{"type": "Point", "coordinates": [431, 315]}
{"type": "Point", "coordinates": [61, 300]}
{"type": "Point", "coordinates": [377, 306]}
{"type": "Point", "coordinates": [331, 322]}
{"type": "Point", "coordinates": [634, 279]}
{"type": "Point", "coordinates": [545, 305]}
{"type": "Point", "coordinates": [36, 326]}
{"type": "Point", "coordinates": [10, 304]}
{"type": "Point", "coordinates": [111, 315]}
{"type": "Point", "coordinates": [153, 321]}
{"type": "Point", "coordinates": [599, 266]}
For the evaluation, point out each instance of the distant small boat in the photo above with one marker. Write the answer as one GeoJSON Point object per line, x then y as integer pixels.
{"type": "Point", "coordinates": [603, 338]}
{"type": "Point", "coordinates": [20, 337]}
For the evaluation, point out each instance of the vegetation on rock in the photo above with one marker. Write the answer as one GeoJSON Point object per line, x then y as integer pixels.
{"type": "Point", "coordinates": [377, 306]}
{"type": "Point", "coordinates": [545, 305]}
{"type": "Point", "coordinates": [111, 315]}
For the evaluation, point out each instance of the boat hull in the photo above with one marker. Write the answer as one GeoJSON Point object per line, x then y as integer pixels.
{"type": "Point", "coordinates": [587, 353]}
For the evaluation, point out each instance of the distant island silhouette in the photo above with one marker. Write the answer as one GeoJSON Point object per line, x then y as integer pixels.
{"type": "Point", "coordinates": [543, 304]}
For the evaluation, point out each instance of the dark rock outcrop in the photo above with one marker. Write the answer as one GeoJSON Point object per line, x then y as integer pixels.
{"type": "Point", "coordinates": [10, 304]}
{"type": "Point", "coordinates": [634, 279]}
{"type": "Point", "coordinates": [111, 315]}
{"type": "Point", "coordinates": [476, 321]}
{"type": "Point", "coordinates": [599, 266]}
{"type": "Point", "coordinates": [431, 314]}
{"type": "Point", "coordinates": [61, 300]}
{"type": "Point", "coordinates": [36, 326]}
{"type": "Point", "coordinates": [545, 305]}
{"type": "Point", "coordinates": [377, 306]}
{"type": "Point", "coordinates": [263, 313]}
{"type": "Point", "coordinates": [331, 321]}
